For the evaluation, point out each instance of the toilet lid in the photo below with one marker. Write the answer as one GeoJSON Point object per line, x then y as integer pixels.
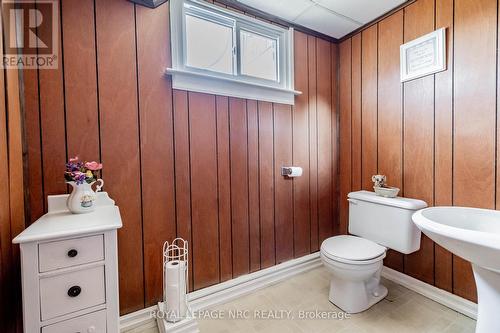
{"type": "Point", "coordinates": [351, 248]}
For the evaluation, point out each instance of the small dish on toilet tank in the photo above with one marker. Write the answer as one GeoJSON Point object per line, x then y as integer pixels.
{"type": "Point", "coordinates": [386, 191]}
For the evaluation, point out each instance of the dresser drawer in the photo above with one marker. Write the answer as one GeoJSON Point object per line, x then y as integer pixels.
{"type": "Point", "coordinates": [70, 252]}
{"type": "Point", "coordinates": [70, 292]}
{"type": "Point", "coordinates": [91, 323]}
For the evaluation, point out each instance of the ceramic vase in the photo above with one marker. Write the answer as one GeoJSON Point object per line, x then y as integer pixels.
{"type": "Point", "coordinates": [82, 197]}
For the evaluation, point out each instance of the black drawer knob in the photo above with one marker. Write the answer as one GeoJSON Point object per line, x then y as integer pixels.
{"type": "Point", "coordinates": [74, 291]}
{"type": "Point", "coordinates": [72, 253]}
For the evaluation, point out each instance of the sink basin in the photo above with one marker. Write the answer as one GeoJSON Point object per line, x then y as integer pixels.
{"type": "Point", "coordinates": [473, 234]}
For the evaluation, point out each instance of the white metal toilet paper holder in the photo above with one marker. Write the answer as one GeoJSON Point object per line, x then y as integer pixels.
{"type": "Point", "coordinates": [175, 279]}
{"type": "Point", "coordinates": [291, 171]}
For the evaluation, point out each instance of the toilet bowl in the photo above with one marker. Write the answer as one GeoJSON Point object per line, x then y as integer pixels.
{"type": "Point", "coordinates": [355, 262]}
{"type": "Point", "coordinates": [355, 265]}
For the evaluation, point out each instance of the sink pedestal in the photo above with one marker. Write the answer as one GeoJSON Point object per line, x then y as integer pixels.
{"type": "Point", "coordinates": [488, 294]}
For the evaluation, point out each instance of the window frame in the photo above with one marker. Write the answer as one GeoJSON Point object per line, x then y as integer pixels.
{"type": "Point", "coordinates": [191, 78]}
{"type": "Point", "coordinates": [280, 70]}
{"type": "Point", "coordinates": [212, 17]}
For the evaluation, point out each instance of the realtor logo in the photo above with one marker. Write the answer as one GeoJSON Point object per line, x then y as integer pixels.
{"type": "Point", "coordinates": [31, 34]}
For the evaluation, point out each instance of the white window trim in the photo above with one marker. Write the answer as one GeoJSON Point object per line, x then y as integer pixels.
{"type": "Point", "coordinates": [184, 78]}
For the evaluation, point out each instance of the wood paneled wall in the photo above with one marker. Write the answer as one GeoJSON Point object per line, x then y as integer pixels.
{"type": "Point", "coordinates": [11, 196]}
{"type": "Point", "coordinates": [434, 137]}
{"type": "Point", "coordinates": [206, 167]}
{"type": "Point", "coordinates": [192, 165]}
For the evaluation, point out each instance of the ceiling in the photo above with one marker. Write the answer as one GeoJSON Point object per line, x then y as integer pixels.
{"type": "Point", "coordinates": [335, 18]}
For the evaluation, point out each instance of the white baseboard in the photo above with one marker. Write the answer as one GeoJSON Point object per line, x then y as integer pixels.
{"type": "Point", "coordinates": [441, 296]}
{"type": "Point", "coordinates": [229, 290]}
{"type": "Point", "coordinates": [235, 288]}
{"type": "Point", "coordinates": [141, 318]}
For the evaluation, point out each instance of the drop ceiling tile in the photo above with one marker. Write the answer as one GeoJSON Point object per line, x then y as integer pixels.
{"type": "Point", "coordinates": [326, 22]}
{"type": "Point", "coordinates": [285, 9]}
{"type": "Point", "coordinates": [362, 11]}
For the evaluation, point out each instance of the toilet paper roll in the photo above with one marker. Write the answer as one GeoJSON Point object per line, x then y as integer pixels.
{"type": "Point", "coordinates": [294, 172]}
{"type": "Point", "coordinates": [175, 280]}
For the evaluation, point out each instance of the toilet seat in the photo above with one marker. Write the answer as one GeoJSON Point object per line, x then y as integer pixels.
{"type": "Point", "coordinates": [352, 250]}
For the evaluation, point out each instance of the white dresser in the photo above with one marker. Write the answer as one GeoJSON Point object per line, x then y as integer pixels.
{"type": "Point", "coordinates": [69, 268]}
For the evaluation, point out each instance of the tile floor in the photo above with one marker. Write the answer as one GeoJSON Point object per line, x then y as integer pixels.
{"type": "Point", "coordinates": [401, 311]}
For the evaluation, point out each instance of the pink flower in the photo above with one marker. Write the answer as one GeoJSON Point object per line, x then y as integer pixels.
{"type": "Point", "coordinates": [74, 159]}
{"type": "Point", "coordinates": [94, 166]}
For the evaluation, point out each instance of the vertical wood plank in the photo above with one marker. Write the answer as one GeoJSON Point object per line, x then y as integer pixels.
{"type": "Point", "coordinates": [443, 166]}
{"type": "Point", "coordinates": [345, 131]}
{"type": "Point", "coordinates": [15, 153]}
{"type": "Point", "coordinates": [7, 292]}
{"type": "Point", "coordinates": [12, 222]}
{"type": "Point", "coordinates": [390, 111]}
{"type": "Point", "coordinates": [464, 284]}
{"type": "Point", "coordinates": [335, 137]}
{"type": "Point", "coordinates": [283, 186]}
{"type": "Point", "coordinates": [238, 132]}
{"type": "Point", "coordinates": [224, 189]}
{"type": "Point", "coordinates": [16, 187]}
{"type": "Point", "coordinates": [324, 104]}
{"type": "Point", "coordinates": [52, 122]}
{"type": "Point", "coordinates": [32, 133]}
{"type": "Point", "coordinates": [474, 117]}
{"type": "Point", "coordinates": [313, 140]}
{"type": "Point", "coordinates": [301, 195]}
{"type": "Point", "coordinates": [157, 150]}
{"type": "Point", "coordinates": [119, 115]}
{"type": "Point", "coordinates": [34, 176]}
{"type": "Point", "coordinates": [266, 184]}
{"type": "Point", "coordinates": [203, 160]}
{"type": "Point", "coordinates": [253, 185]}
{"type": "Point", "coordinates": [6, 314]}
{"type": "Point", "coordinates": [497, 138]}
{"type": "Point", "coordinates": [80, 80]}
{"type": "Point", "coordinates": [356, 129]}
{"type": "Point", "coordinates": [15, 149]}
{"type": "Point", "coordinates": [419, 138]}
{"type": "Point", "coordinates": [182, 173]}
{"type": "Point", "coordinates": [369, 110]}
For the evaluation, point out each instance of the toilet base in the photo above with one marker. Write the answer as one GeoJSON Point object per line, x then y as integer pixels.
{"type": "Point", "coordinates": [356, 296]}
{"type": "Point", "coordinates": [357, 307]}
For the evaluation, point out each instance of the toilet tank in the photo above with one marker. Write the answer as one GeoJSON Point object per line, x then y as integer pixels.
{"type": "Point", "coordinates": [386, 221]}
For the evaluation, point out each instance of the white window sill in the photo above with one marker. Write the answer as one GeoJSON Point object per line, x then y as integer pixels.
{"type": "Point", "coordinates": [185, 80]}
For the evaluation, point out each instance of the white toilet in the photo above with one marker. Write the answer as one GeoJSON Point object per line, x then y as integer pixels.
{"type": "Point", "coordinates": [355, 262]}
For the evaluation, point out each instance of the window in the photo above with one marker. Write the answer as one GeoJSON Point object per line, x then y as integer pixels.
{"type": "Point", "coordinates": [218, 51]}
{"type": "Point", "coordinates": [258, 56]}
{"type": "Point", "coordinates": [205, 52]}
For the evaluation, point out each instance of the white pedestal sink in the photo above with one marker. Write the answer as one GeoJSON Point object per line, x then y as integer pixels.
{"type": "Point", "coordinates": [473, 234]}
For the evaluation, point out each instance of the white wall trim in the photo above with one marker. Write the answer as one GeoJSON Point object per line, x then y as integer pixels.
{"type": "Point", "coordinates": [229, 290]}
{"type": "Point", "coordinates": [210, 84]}
{"type": "Point", "coordinates": [441, 296]}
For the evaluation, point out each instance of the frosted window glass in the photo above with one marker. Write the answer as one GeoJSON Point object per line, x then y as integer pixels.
{"type": "Point", "coordinates": [209, 45]}
{"type": "Point", "coordinates": [258, 56]}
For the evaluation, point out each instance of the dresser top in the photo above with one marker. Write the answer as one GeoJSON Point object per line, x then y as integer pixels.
{"type": "Point", "coordinates": [59, 222]}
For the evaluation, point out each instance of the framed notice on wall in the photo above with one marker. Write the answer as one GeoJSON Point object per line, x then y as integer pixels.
{"type": "Point", "coordinates": [423, 56]}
